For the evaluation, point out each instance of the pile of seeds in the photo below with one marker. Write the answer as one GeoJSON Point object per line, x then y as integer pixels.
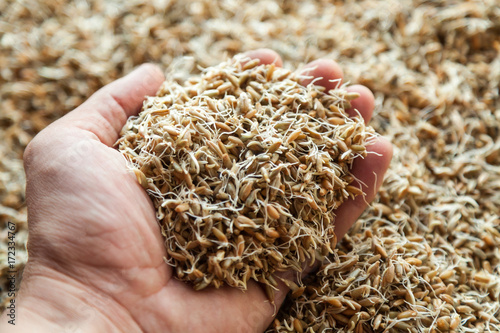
{"type": "Point", "coordinates": [377, 290]}
{"type": "Point", "coordinates": [245, 167]}
{"type": "Point", "coordinates": [433, 66]}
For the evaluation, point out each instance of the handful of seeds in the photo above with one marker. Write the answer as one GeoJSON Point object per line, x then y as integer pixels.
{"type": "Point", "coordinates": [245, 167]}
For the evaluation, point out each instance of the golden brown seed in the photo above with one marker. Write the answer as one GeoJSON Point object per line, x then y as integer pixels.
{"type": "Point", "coordinates": [219, 234]}
{"type": "Point", "coordinates": [226, 160]}
{"type": "Point", "coordinates": [352, 95]}
{"type": "Point", "coordinates": [260, 237]}
{"type": "Point", "coordinates": [455, 321]}
{"type": "Point", "coordinates": [192, 245]}
{"type": "Point", "coordinates": [269, 293]}
{"type": "Point", "coordinates": [211, 105]}
{"type": "Point", "coordinates": [290, 284]}
{"type": "Point", "coordinates": [288, 100]}
{"type": "Point", "coordinates": [243, 102]}
{"type": "Point", "coordinates": [297, 326]}
{"type": "Point", "coordinates": [205, 242]}
{"type": "Point", "coordinates": [374, 259]}
{"type": "Point", "coordinates": [206, 133]}
{"type": "Point", "coordinates": [482, 278]}
{"type": "Point", "coordinates": [389, 274]}
{"type": "Point", "coordinates": [334, 301]}
{"type": "Point", "coordinates": [488, 317]}
{"type": "Point", "coordinates": [274, 146]}
{"type": "Point", "coordinates": [211, 93]}
{"type": "Point", "coordinates": [224, 87]}
{"type": "Point", "coordinates": [223, 127]}
{"type": "Point", "coordinates": [343, 147]}
{"type": "Point", "coordinates": [222, 147]}
{"type": "Point", "coordinates": [246, 190]}
{"type": "Point", "coordinates": [358, 148]}
{"type": "Point", "coordinates": [241, 245]}
{"type": "Point", "coordinates": [336, 121]}
{"type": "Point", "coordinates": [254, 94]}
{"type": "Point", "coordinates": [341, 318]}
{"type": "Point", "coordinates": [141, 178]}
{"type": "Point", "coordinates": [370, 301]}
{"type": "Point", "coordinates": [246, 222]}
{"type": "Point", "coordinates": [236, 141]}
{"type": "Point", "coordinates": [443, 323]}
{"type": "Point", "coordinates": [298, 292]}
{"type": "Point", "coordinates": [176, 256]}
{"type": "Point", "coordinates": [353, 305]}
{"type": "Point", "coordinates": [360, 292]}
{"type": "Point", "coordinates": [311, 202]}
{"type": "Point", "coordinates": [404, 327]}
{"type": "Point", "coordinates": [380, 250]}
{"type": "Point", "coordinates": [270, 71]}
{"type": "Point", "coordinates": [446, 274]}
{"type": "Point", "coordinates": [251, 64]}
{"type": "Point", "coordinates": [447, 298]}
{"type": "Point", "coordinates": [354, 190]}
{"type": "Point", "coordinates": [373, 269]}
{"type": "Point", "coordinates": [414, 261]}
{"type": "Point", "coordinates": [202, 285]}
{"type": "Point", "coordinates": [282, 74]}
{"type": "Point", "coordinates": [277, 256]}
{"type": "Point", "coordinates": [377, 321]}
{"type": "Point", "coordinates": [257, 262]}
{"type": "Point", "coordinates": [326, 184]}
{"type": "Point", "coordinates": [215, 148]}
{"type": "Point", "coordinates": [251, 198]}
{"type": "Point", "coordinates": [272, 212]}
{"type": "Point", "coordinates": [487, 267]}
{"type": "Point", "coordinates": [272, 233]}
{"type": "Point", "coordinates": [294, 135]}
{"type": "Point", "coordinates": [407, 314]}
{"type": "Point", "coordinates": [464, 309]}
{"type": "Point", "coordinates": [250, 114]}
{"type": "Point", "coordinates": [182, 207]}
{"type": "Point", "coordinates": [171, 131]}
{"type": "Point", "coordinates": [232, 79]}
{"type": "Point", "coordinates": [265, 174]}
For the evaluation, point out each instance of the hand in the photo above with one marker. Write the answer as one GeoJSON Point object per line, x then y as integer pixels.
{"type": "Point", "coordinates": [95, 247]}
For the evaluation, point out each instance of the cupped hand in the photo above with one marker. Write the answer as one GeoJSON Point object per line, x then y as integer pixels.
{"type": "Point", "coordinates": [96, 253]}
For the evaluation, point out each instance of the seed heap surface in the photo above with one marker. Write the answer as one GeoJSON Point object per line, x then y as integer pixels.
{"type": "Point", "coordinates": [245, 167]}
{"type": "Point", "coordinates": [432, 65]}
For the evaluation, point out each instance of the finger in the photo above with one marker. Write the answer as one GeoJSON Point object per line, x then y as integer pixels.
{"type": "Point", "coordinates": [324, 72]}
{"type": "Point", "coordinates": [369, 171]}
{"type": "Point", "coordinates": [105, 112]}
{"type": "Point", "coordinates": [266, 57]}
{"type": "Point", "coordinates": [364, 104]}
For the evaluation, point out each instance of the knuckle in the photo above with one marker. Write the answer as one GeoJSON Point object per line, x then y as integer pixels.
{"type": "Point", "coordinates": [36, 150]}
{"type": "Point", "coordinates": [31, 150]}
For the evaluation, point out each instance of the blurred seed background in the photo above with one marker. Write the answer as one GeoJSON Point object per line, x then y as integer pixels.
{"type": "Point", "coordinates": [433, 66]}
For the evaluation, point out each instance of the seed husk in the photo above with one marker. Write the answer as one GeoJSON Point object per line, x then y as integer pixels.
{"type": "Point", "coordinates": [273, 212]}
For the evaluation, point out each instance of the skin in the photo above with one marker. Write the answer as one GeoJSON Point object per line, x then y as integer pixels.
{"type": "Point", "coordinates": [95, 248]}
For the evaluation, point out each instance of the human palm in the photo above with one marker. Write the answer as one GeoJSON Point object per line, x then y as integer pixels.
{"type": "Point", "coordinates": [96, 251]}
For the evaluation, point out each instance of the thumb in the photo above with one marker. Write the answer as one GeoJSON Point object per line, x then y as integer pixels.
{"type": "Point", "coordinates": [104, 114]}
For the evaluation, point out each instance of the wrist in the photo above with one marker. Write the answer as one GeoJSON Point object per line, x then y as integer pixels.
{"type": "Point", "coordinates": [52, 302]}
